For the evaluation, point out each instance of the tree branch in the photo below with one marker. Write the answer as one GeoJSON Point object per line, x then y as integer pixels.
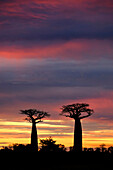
{"type": "Point", "coordinates": [82, 117]}
{"type": "Point", "coordinates": [33, 115]}
{"type": "Point", "coordinates": [39, 121]}
{"type": "Point", "coordinates": [76, 110]}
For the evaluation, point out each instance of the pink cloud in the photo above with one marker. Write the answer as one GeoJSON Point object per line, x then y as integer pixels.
{"type": "Point", "coordinates": [77, 49]}
{"type": "Point", "coordinates": [16, 8]}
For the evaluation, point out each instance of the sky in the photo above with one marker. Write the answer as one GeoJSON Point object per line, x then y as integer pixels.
{"type": "Point", "coordinates": [54, 53]}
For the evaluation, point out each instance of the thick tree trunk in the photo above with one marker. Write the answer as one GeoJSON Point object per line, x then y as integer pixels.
{"type": "Point", "coordinates": [34, 140]}
{"type": "Point", "coordinates": [78, 135]}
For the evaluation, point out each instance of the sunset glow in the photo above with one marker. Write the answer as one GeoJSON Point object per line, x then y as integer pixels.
{"type": "Point", "coordinates": [54, 53]}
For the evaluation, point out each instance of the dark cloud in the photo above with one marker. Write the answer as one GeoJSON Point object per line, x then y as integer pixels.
{"type": "Point", "coordinates": [54, 81]}
{"type": "Point", "coordinates": [39, 21]}
{"type": "Point", "coordinates": [64, 30]}
{"type": "Point", "coordinates": [6, 1]}
{"type": "Point", "coordinates": [56, 74]}
{"type": "Point", "coordinates": [59, 74]}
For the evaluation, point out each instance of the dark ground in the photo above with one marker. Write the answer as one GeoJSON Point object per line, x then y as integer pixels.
{"type": "Point", "coordinates": [56, 161]}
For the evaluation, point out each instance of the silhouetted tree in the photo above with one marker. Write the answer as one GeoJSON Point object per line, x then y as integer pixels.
{"type": "Point", "coordinates": [102, 147]}
{"type": "Point", "coordinates": [110, 149]}
{"type": "Point", "coordinates": [49, 145]}
{"type": "Point", "coordinates": [6, 149]}
{"type": "Point", "coordinates": [97, 149]}
{"type": "Point", "coordinates": [77, 112]}
{"type": "Point", "coordinates": [17, 148]}
{"type": "Point", "coordinates": [34, 116]}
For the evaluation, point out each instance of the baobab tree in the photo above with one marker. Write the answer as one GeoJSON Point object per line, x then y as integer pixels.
{"type": "Point", "coordinates": [34, 116]}
{"type": "Point", "coordinates": [77, 112]}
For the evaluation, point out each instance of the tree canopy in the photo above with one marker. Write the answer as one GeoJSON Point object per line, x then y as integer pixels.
{"type": "Point", "coordinates": [34, 115]}
{"type": "Point", "coordinates": [78, 110]}
{"type": "Point", "coordinates": [49, 144]}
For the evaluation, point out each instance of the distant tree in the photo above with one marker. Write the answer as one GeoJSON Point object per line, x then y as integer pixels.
{"type": "Point", "coordinates": [97, 149]}
{"type": "Point", "coordinates": [6, 149]}
{"type": "Point", "coordinates": [102, 147]}
{"type": "Point", "coordinates": [77, 112]}
{"type": "Point", "coordinates": [48, 145]}
{"type": "Point", "coordinates": [34, 116]}
{"type": "Point", "coordinates": [85, 149]}
{"type": "Point", "coordinates": [17, 148]}
{"type": "Point", "coordinates": [110, 149]}
{"type": "Point", "coordinates": [90, 150]}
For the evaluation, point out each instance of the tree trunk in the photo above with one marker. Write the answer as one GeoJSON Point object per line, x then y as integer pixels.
{"type": "Point", "coordinates": [78, 135]}
{"type": "Point", "coordinates": [34, 140]}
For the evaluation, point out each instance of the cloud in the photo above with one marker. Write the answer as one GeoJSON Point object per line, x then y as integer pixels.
{"type": "Point", "coordinates": [80, 49]}
{"type": "Point", "coordinates": [47, 20]}
{"type": "Point", "coordinates": [55, 73]}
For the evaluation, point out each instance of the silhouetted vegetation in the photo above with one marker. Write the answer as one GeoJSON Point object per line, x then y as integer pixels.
{"type": "Point", "coordinates": [77, 112]}
{"type": "Point", "coordinates": [17, 148]}
{"type": "Point", "coordinates": [20, 157]}
{"type": "Point", "coordinates": [55, 156]}
{"type": "Point", "coordinates": [34, 116]}
{"type": "Point", "coordinates": [49, 145]}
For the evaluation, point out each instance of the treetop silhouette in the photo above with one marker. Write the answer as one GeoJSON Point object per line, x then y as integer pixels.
{"type": "Point", "coordinates": [77, 111]}
{"type": "Point", "coordinates": [49, 145]}
{"type": "Point", "coordinates": [34, 116]}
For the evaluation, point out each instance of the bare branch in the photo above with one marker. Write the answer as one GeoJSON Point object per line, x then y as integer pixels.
{"type": "Point", "coordinates": [29, 120]}
{"type": "Point", "coordinates": [89, 112]}
{"type": "Point", "coordinates": [84, 116]}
